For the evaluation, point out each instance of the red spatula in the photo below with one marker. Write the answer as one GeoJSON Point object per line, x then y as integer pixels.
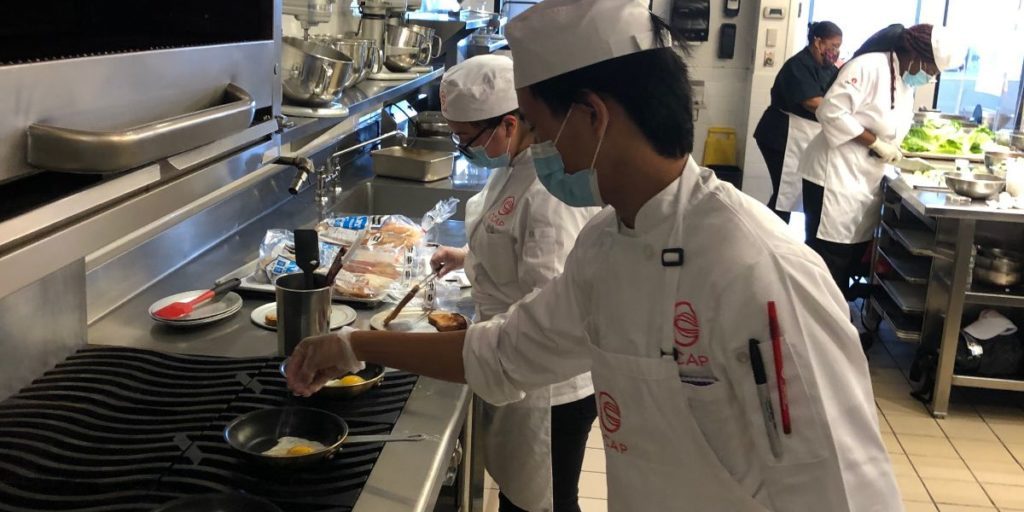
{"type": "Point", "coordinates": [183, 308]}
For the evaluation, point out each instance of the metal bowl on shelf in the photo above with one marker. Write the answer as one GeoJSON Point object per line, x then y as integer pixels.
{"type": "Point", "coordinates": [313, 74]}
{"type": "Point", "coordinates": [994, 277]}
{"type": "Point", "coordinates": [364, 55]}
{"type": "Point", "coordinates": [976, 186]}
{"type": "Point", "coordinates": [995, 161]}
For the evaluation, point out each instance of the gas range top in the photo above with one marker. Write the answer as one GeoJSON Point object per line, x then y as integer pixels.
{"type": "Point", "coordinates": [119, 429]}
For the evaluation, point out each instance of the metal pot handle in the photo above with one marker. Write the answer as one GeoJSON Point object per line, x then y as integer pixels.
{"type": "Point", "coordinates": [323, 83]}
{"type": "Point", "coordinates": [377, 59]}
{"type": "Point", "coordinates": [439, 43]}
{"type": "Point", "coordinates": [386, 438]}
{"type": "Point", "coordinates": [424, 55]}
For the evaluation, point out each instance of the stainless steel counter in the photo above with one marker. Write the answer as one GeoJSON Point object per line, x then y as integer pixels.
{"type": "Point", "coordinates": [933, 204]}
{"type": "Point", "coordinates": [407, 476]}
{"type": "Point", "coordinates": [950, 290]}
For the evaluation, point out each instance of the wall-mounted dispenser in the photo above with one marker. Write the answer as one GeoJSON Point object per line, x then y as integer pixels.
{"type": "Point", "coordinates": [692, 18]}
{"type": "Point", "coordinates": [732, 8]}
{"type": "Point", "coordinates": [727, 41]}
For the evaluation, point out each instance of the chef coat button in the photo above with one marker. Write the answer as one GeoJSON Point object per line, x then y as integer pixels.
{"type": "Point", "coordinates": [743, 357]}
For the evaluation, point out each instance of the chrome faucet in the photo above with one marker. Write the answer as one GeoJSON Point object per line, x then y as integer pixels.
{"type": "Point", "coordinates": [304, 170]}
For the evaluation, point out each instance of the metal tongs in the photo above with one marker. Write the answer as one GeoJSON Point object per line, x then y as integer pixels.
{"type": "Point", "coordinates": [408, 298]}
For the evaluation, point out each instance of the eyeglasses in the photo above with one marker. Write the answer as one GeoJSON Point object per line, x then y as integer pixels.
{"type": "Point", "coordinates": [464, 148]}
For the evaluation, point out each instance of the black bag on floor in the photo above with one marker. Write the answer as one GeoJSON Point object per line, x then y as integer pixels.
{"type": "Point", "coordinates": [999, 357]}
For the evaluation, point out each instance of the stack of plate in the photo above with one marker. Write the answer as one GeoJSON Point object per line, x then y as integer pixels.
{"type": "Point", "coordinates": [207, 313]}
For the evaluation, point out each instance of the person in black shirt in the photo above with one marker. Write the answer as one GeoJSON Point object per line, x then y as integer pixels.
{"type": "Point", "coordinates": [789, 123]}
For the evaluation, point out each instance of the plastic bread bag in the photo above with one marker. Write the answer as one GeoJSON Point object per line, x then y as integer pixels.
{"type": "Point", "coordinates": [277, 256]}
{"type": "Point", "coordinates": [345, 230]}
{"type": "Point", "coordinates": [440, 213]}
{"type": "Point", "coordinates": [362, 286]}
{"type": "Point", "coordinates": [394, 232]}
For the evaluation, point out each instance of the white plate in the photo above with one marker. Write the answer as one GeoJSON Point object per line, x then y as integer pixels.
{"type": "Point", "coordinates": [207, 313]}
{"type": "Point", "coordinates": [341, 316]}
{"type": "Point", "coordinates": [411, 319]}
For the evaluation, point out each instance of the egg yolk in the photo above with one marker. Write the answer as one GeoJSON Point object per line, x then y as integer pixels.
{"type": "Point", "coordinates": [299, 450]}
{"type": "Point", "coordinates": [351, 380]}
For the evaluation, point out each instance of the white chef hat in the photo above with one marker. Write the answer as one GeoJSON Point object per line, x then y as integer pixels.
{"type": "Point", "coordinates": [479, 88]}
{"type": "Point", "coordinates": [948, 48]}
{"type": "Point", "coordinates": [555, 37]}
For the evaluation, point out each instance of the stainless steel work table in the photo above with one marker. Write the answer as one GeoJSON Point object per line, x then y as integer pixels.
{"type": "Point", "coordinates": [950, 286]}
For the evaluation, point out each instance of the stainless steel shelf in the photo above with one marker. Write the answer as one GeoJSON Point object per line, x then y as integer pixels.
{"type": "Point", "coordinates": [988, 383]}
{"type": "Point", "coordinates": [908, 297]}
{"type": "Point", "coordinates": [913, 269]}
{"type": "Point", "coordinates": [904, 328]}
{"type": "Point", "coordinates": [979, 295]}
{"type": "Point", "coordinates": [917, 241]}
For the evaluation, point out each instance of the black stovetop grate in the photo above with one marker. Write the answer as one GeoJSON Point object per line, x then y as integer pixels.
{"type": "Point", "coordinates": [125, 429]}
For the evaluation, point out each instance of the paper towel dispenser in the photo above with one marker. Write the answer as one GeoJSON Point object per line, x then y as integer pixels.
{"type": "Point", "coordinates": [692, 18]}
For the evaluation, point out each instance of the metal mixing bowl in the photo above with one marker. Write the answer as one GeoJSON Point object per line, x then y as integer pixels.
{"type": "Point", "coordinates": [977, 186]}
{"type": "Point", "coordinates": [994, 160]}
{"type": "Point", "coordinates": [359, 50]}
{"type": "Point", "coordinates": [313, 74]}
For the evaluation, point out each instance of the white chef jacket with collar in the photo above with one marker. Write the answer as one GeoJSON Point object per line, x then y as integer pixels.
{"type": "Point", "coordinates": [519, 236]}
{"type": "Point", "coordinates": [861, 98]}
{"type": "Point", "coordinates": [736, 257]}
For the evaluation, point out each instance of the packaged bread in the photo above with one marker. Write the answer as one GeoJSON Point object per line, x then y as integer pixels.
{"type": "Point", "coordinates": [362, 286]}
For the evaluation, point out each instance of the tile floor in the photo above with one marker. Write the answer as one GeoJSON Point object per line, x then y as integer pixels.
{"type": "Point", "coordinates": [972, 461]}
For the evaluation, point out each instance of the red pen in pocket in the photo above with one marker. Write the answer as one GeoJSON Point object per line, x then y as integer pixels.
{"type": "Point", "coordinates": [780, 380]}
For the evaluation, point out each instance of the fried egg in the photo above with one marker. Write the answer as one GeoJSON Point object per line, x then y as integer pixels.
{"type": "Point", "coordinates": [294, 447]}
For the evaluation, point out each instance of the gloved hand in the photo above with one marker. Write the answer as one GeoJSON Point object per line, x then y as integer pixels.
{"type": "Point", "coordinates": [887, 152]}
{"type": "Point", "coordinates": [447, 259]}
{"type": "Point", "coordinates": [319, 359]}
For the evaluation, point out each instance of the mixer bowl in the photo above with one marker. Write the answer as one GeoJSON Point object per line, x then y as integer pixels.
{"type": "Point", "coordinates": [313, 74]}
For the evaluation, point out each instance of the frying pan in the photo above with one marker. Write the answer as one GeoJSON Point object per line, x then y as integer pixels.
{"type": "Point", "coordinates": [372, 376]}
{"type": "Point", "coordinates": [258, 431]}
{"type": "Point", "coordinates": [233, 502]}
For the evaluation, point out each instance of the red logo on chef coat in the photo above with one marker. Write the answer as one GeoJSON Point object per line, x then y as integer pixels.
{"type": "Point", "coordinates": [608, 410]}
{"type": "Point", "coordinates": [686, 325]}
{"type": "Point", "coordinates": [507, 205]}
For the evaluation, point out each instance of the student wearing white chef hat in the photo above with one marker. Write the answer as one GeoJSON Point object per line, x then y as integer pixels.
{"type": "Point", "coordinates": [519, 236]}
{"type": "Point", "coordinates": [666, 298]}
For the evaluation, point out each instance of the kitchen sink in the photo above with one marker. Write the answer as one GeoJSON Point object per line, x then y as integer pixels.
{"type": "Point", "coordinates": [382, 196]}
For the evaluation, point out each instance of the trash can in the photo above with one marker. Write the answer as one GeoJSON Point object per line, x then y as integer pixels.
{"type": "Point", "coordinates": [729, 173]}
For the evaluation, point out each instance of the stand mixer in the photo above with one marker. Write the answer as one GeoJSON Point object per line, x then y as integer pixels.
{"type": "Point", "coordinates": [309, 12]}
{"type": "Point", "coordinates": [378, 14]}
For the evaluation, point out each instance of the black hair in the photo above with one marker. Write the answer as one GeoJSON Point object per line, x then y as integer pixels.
{"type": "Point", "coordinates": [653, 87]}
{"type": "Point", "coordinates": [494, 121]}
{"type": "Point", "coordinates": [916, 40]}
{"type": "Point", "coordinates": [823, 30]}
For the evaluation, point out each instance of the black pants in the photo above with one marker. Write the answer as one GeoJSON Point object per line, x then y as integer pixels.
{"type": "Point", "coordinates": [774, 158]}
{"type": "Point", "coordinates": [844, 261]}
{"type": "Point", "coordinates": [570, 427]}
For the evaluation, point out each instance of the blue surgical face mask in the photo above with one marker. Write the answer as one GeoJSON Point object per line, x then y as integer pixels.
{"type": "Point", "coordinates": [578, 189]}
{"type": "Point", "coordinates": [478, 155]}
{"type": "Point", "coordinates": [917, 79]}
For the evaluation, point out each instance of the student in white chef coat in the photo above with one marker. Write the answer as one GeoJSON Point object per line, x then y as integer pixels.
{"type": "Point", "coordinates": [660, 297]}
{"type": "Point", "coordinates": [519, 236]}
{"type": "Point", "coordinates": [864, 116]}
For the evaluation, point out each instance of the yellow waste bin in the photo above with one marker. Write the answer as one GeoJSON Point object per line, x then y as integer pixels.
{"type": "Point", "coordinates": [720, 146]}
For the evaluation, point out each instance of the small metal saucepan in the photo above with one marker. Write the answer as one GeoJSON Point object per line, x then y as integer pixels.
{"type": "Point", "coordinates": [258, 431]}
{"type": "Point", "coordinates": [233, 502]}
{"type": "Point", "coordinates": [372, 376]}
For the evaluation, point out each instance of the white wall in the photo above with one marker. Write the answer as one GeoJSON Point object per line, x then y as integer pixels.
{"type": "Point", "coordinates": [792, 37]}
{"type": "Point", "coordinates": [726, 82]}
